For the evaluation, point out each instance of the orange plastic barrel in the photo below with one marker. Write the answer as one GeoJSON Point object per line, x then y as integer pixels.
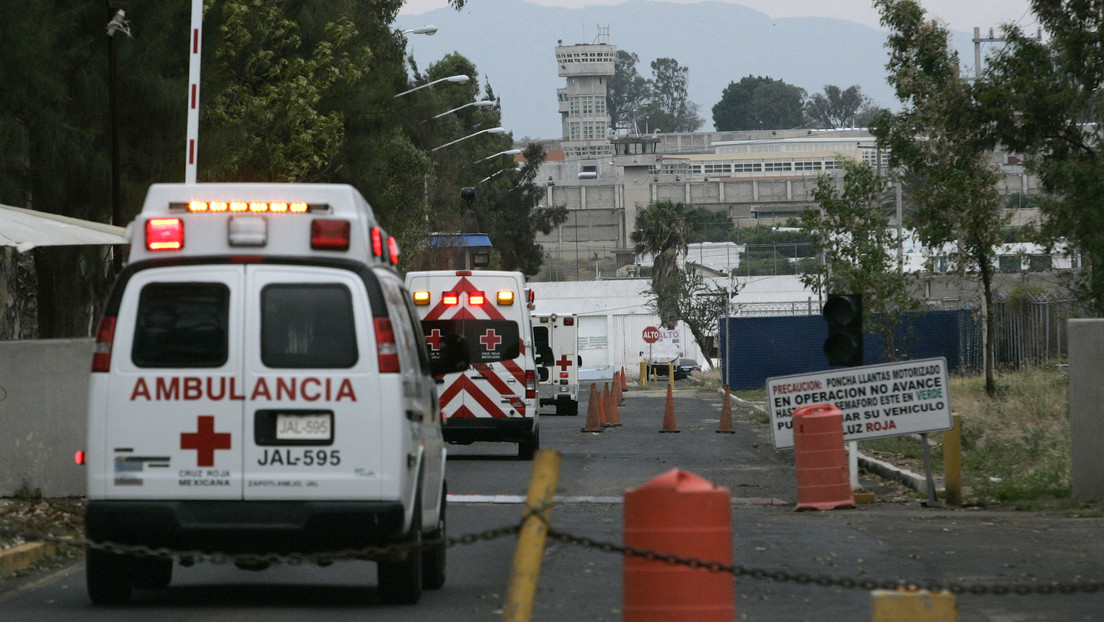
{"type": "Point", "coordinates": [681, 514]}
{"type": "Point", "coordinates": [823, 479]}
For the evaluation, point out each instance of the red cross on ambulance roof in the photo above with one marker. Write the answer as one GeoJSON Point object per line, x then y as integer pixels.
{"type": "Point", "coordinates": [434, 339]}
{"type": "Point", "coordinates": [490, 339]}
{"type": "Point", "coordinates": [205, 441]}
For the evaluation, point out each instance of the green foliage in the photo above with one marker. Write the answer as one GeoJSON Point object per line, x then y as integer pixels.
{"type": "Point", "coordinates": [698, 303]}
{"type": "Point", "coordinates": [265, 121]}
{"type": "Point", "coordinates": [707, 226]}
{"type": "Point", "coordinates": [835, 108]}
{"type": "Point", "coordinates": [670, 107]}
{"type": "Point", "coordinates": [759, 103]}
{"type": "Point", "coordinates": [1046, 99]}
{"type": "Point", "coordinates": [626, 92]}
{"type": "Point", "coordinates": [661, 231]}
{"type": "Point", "coordinates": [852, 231]}
{"type": "Point", "coordinates": [940, 141]}
{"type": "Point", "coordinates": [26, 492]}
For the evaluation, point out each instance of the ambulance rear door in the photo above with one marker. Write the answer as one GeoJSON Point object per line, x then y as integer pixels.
{"type": "Point", "coordinates": [173, 407]}
{"type": "Point", "coordinates": [496, 385]}
{"type": "Point", "coordinates": [314, 407]}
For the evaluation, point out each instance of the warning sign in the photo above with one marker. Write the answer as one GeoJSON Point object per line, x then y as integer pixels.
{"type": "Point", "coordinates": [876, 400]}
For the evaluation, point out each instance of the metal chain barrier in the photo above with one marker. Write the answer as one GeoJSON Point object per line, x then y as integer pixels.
{"type": "Point", "coordinates": [779, 576]}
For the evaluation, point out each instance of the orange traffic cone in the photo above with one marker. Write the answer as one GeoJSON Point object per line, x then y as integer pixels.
{"type": "Point", "coordinates": [614, 419]}
{"type": "Point", "coordinates": [669, 413]}
{"type": "Point", "coordinates": [618, 388]}
{"type": "Point", "coordinates": [623, 385]}
{"type": "Point", "coordinates": [726, 415]}
{"type": "Point", "coordinates": [603, 406]}
{"type": "Point", "coordinates": [593, 424]}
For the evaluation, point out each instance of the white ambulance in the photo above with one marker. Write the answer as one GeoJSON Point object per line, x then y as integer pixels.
{"type": "Point", "coordinates": [496, 398]}
{"type": "Point", "coordinates": [260, 386]}
{"type": "Point", "coordinates": [556, 338]}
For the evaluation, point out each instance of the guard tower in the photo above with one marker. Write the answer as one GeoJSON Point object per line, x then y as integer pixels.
{"type": "Point", "coordinates": [637, 156]}
{"type": "Point", "coordinates": [583, 113]}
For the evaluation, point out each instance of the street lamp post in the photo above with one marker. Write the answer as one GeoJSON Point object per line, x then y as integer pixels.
{"type": "Point", "coordinates": [490, 130]}
{"type": "Point", "coordinates": [507, 152]}
{"type": "Point", "coordinates": [428, 30]}
{"type": "Point", "coordinates": [118, 23]}
{"type": "Point", "coordinates": [459, 79]}
{"type": "Point", "coordinates": [479, 104]}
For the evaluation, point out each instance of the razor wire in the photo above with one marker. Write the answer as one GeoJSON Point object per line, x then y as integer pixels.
{"type": "Point", "coordinates": [737, 570]}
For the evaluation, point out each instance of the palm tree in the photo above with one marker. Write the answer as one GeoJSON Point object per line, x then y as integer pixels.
{"type": "Point", "coordinates": [661, 231]}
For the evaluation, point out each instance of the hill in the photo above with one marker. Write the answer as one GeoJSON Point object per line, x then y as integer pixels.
{"type": "Point", "coordinates": [512, 44]}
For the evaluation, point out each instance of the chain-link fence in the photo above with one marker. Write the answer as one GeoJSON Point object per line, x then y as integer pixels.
{"type": "Point", "coordinates": [959, 587]}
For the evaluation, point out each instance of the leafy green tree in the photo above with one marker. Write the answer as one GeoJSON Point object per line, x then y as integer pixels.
{"type": "Point", "coordinates": [759, 103]}
{"type": "Point", "coordinates": [699, 303]}
{"type": "Point", "coordinates": [704, 225]}
{"type": "Point", "coordinates": [941, 140]}
{"type": "Point", "coordinates": [661, 231]}
{"type": "Point", "coordinates": [669, 106]}
{"type": "Point", "coordinates": [835, 108]}
{"type": "Point", "coordinates": [265, 120]}
{"type": "Point", "coordinates": [512, 214]}
{"type": "Point", "coordinates": [1046, 95]}
{"type": "Point", "coordinates": [626, 92]}
{"type": "Point", "coordinates": [852, 231]}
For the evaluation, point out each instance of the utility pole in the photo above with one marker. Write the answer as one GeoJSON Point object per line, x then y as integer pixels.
{"type": "Point", "coordinates": [978, 40]}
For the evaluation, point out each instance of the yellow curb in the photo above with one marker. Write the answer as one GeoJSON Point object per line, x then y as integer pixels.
{"type": "Point", "coordinates": [24, 555]}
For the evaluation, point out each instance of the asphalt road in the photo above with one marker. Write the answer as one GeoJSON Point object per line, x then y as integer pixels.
{"type": "Point", "coordinates": [892, 540]}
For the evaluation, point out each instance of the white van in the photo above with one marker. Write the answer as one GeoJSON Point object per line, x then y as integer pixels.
{"type": "Point", "coordinates": [260, 386]}
{"type": "Point", "coordinates": [556, 339]}
{"type": "Point", "coordinates": [496, 399]}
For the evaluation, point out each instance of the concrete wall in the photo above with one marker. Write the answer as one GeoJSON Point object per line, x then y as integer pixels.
{"type": "Point", "coordinates": [43, 396]}
{"type": "Point", "coordinates": [1086, 407]}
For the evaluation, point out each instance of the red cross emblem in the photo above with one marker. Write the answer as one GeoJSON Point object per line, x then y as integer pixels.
{"type": "Point", "coordinates": [434, 339]}
{"type": "Point", "coordinates": [564, 363]}
{"type": "Point", "coordinates": [205, 441]}
{"type": "Point", "coordinates": [490, 339]}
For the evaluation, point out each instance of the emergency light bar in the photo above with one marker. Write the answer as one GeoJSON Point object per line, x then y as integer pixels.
{"type": "Point", "coordinates": [238, 207]}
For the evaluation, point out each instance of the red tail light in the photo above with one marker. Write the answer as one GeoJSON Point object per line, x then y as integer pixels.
{"type": "Point", "coordinates": [164, 234]}
{"type": "Point", "coordinates": [569, 321]}
{"type": "Point", "coordinates": [450, 298]}
{"type": "Point", "coordinates": [78, 457]}
{"type": "Point", "coordinates": [105, 335]}
{"type": "Point", "coordinates": [377, 242]}
{"type": "Point", "coordinates": [330, 235]}
{"type": "Point", "coordinates": [476, 298]}
{"type": "Point", "coordinates": [530, 384]}
{"type": "Point", "coordinates": [385, 345]}
{"type": "Point", "coordinates": [393, 250]}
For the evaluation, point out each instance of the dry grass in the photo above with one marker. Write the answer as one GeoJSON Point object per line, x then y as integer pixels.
{"type": "Point", "coordinates": [1015, 445]}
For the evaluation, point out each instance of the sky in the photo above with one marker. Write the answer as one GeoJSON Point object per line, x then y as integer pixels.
{"type": "Point", "coordinates": [959, 15]}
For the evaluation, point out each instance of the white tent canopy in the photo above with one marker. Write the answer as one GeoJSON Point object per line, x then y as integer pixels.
{"type": "Point", "coordinates": [25, 229]}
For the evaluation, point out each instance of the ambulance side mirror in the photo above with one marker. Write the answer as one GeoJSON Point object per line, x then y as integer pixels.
{"type": "Point", "coordinates": [452, 358]}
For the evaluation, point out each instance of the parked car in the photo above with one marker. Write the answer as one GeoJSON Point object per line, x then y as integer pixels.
{"type": "Point", "coordinates": [683, 368]}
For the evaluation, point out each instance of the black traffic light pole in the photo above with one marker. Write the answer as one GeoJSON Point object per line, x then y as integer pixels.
{"type": "Point", "coordinates": [844, 345]}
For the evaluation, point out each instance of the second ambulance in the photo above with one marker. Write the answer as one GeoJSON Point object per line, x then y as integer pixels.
{"type": "Point", "coordinates": [488, 310]}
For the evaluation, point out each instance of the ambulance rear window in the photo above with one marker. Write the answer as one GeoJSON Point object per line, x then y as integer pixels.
{"type": "Point", "coordinates": [307, 327]}
{"type": "Point", "coordinates": [181, 325]}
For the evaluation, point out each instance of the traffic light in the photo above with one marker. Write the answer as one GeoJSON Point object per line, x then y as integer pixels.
{"type": "Point", "coordinates": [844, 345]}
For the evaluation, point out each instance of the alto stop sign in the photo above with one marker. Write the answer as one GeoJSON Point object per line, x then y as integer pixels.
{"type": "Point", "coordinates": [651, 334]}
